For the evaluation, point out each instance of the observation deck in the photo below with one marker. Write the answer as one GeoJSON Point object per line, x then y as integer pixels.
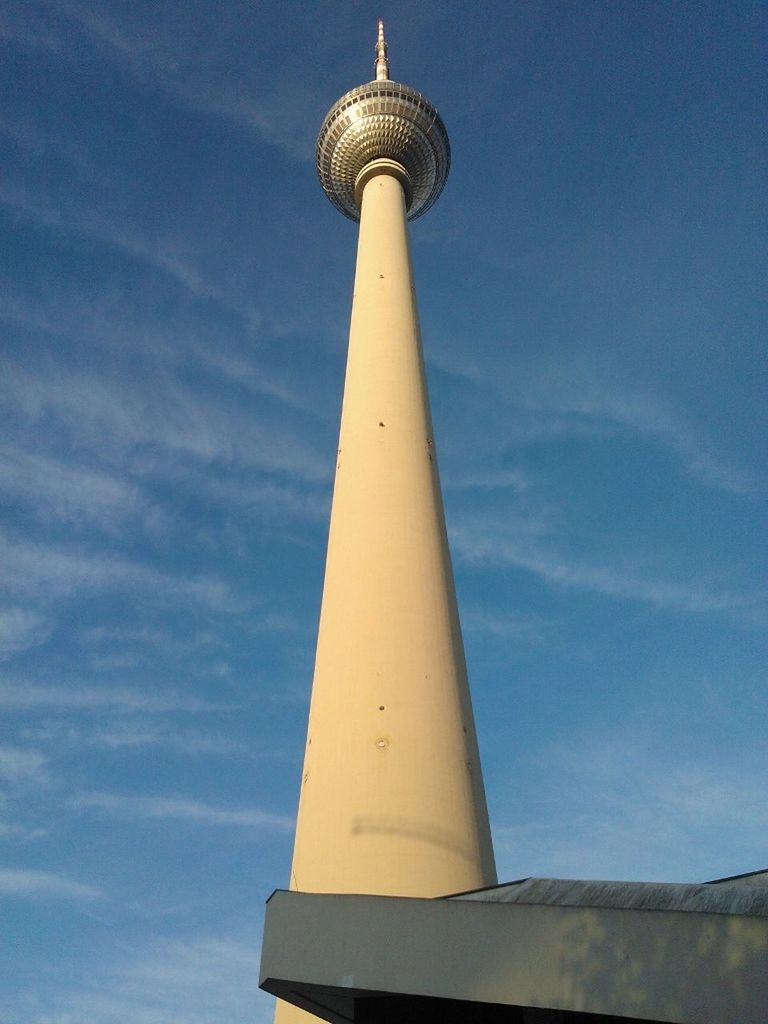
{"type": "Point", "coordinates": [383, 120]}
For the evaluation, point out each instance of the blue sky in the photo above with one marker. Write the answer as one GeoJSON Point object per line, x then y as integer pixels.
{"type": "Point", "coordinates": [174, 299]}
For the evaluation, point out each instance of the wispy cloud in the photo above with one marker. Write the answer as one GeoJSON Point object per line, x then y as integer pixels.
{"type": "Point", "coordinates": [105, 320]}
{"type": "Point", "coordinates": [24, 134]}
{"type": "Point", "coordinates": [489, 479]}
{"type": "Point", "coordinates": [280, 115]}
{"type": "Point", "coordinates": [164, 419]}
{"type": "Point", "coordinates": [649, 416]}
{"type": "Point", "coordinates": [20, 767]}
{"type": "Point", "coordinates": [121, 736]}
{"type": "Point", "coordinates": [138, 44]}
{"type": "Point", "coordinates": [307, 503]}
{"type": "Point", "coordinates": [23, 774]}
{"type": "Point", "coordinates": [187, 979]}
{"type": "Point", "coordinates": [12, 830]}
{"type": "Point", "coordinates": [46, 572]}
{"type": "Point", "coordinates": [23, 696]}
{"type": "Point", "coordinates": [29, 884]}
{"type": "Point", "coordinates": [581, 395]}
{"type": "Point", "coordinates": [180, 809]}
{"type": "Point", "coordinates": [194, 651]}
{"type": "Point", "coordinates": [20, 629]}
{"type": "Point", "coordinates": [489, 543]}
{"type": "Point", "coordinates": [622, 806]}
{"type": "Point", "coordinates": [135, 734]}
{"type": "Point", "coordinates": [78, 495]}
{"type": "Point", "coordinates": [31, 27]}
{"type": "Point", "coordinates": [117, 648]}
{"type": "Point", "coordinates": [540, 396]}
{"type": "Point", "coordinates": [32, 140]}
{"type": "Point", "coordinates": [168, 255]}
{"type": "Point", "coordinates": [171, 645]}
{"type": "Point", "coordinates": [246, 373]}
{"type": "Point", "coordinates": [515, 625]}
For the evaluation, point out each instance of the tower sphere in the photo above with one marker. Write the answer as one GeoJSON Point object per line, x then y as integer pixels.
{"type": "Point", "coordinates": [383, 120]}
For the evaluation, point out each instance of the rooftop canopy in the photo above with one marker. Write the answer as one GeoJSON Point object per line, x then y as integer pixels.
{"type": "Point", "coordinates": [538, 951]}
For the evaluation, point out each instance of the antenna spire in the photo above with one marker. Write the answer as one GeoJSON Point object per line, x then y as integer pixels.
{"type": "Point", "coordinates": [382, 63]}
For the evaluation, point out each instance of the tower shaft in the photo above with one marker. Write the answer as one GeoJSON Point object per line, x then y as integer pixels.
{"type": "Point", "coordinates": [392, 800]}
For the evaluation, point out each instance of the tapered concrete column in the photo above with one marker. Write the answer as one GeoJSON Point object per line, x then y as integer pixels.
{"type": "Point", "coordinates": [392, 799]}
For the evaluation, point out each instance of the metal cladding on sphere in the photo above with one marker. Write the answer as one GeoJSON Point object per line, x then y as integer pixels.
{"type": "Point", "coordinates": [383, 120]}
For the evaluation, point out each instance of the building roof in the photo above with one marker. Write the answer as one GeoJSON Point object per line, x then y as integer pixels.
{"type": "Point", "coordinates": [536, 950]}
{"type": "Point", "coordinates": [741, 894]}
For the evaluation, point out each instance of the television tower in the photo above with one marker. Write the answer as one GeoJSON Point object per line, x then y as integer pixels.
{"type": "Point", "coordinates": [392, 799]}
